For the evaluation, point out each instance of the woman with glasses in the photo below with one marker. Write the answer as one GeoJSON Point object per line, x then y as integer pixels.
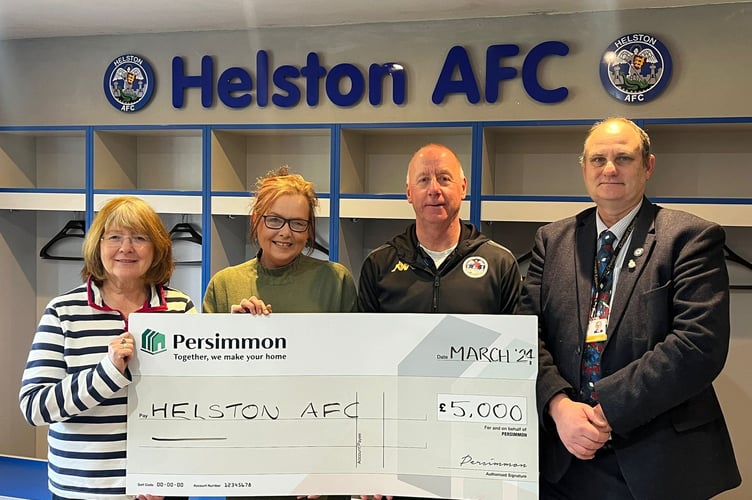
{"type": "Point", "coordinates": [282, 276]}
{"type": "Point", "coordinates": [77, 370]}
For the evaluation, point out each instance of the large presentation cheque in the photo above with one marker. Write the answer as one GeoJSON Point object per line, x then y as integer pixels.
{"type": "Point", "coordinates": [422, 405]}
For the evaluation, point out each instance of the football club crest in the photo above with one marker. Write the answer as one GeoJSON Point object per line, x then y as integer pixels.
{"type": "Point", "coordinates": [129, 83]}
{"type": "Point", "coordinates": [475, 267]}
{"type": "Point", "coordinates": [635, 68]}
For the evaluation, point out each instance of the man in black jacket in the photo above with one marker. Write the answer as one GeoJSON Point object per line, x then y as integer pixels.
{"type": "Point", "coordinates": [439, 264]}
{"type": "Point", "coordinates": [625, 377]}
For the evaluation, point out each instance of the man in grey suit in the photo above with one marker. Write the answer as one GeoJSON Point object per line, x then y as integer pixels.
{"type": "Point", "coordinates": [629, 345]}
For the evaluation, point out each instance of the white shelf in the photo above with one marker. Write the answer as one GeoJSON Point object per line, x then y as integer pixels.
{"type": "Point", "coordinates": [43, 201]}
{"type": "Point", "coordinates": [168, 204]}
{"type": "Point", "coordinates": [366, 208]}
{"type": "Point", "coordinates": [530, 211]}
{"type": "Point", "coordinates": [723, 214]}
{"type": "Point", "coordinates": [241, 205]}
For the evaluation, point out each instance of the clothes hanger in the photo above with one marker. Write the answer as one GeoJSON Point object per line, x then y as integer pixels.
{"type": "Point", "coordinates": [321, 248]}
{"type": "Point", "coordinates": [732, 256]}
{"type": "Point", "coordinates": [72, 229]}
{"type": "Point", "coordinates": [525, 256]}
{"type": "Point", "coordinates": [184, 231]}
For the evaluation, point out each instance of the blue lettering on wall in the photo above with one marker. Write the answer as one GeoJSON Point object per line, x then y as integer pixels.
{"type": "Point", "coordinates": [262, 78]}
{"type": "Point", "coordinates": [346, 84]}
{"type": "Point", "coordinates": [458, 63]}
{"type": "Point", "coordinates": [313, 73]}
{"type": "Point", "coordinates": [230, 83]}
{"type": "Point", "coordinates": [530, 72]}
{"type": "Point", "coordinates": [495, 73]}
{"type": "Point", "coordinates": [281, 79]}
{"type": "Point", "coordinates": [181, 82]}
{"type": "Point", "coordinates": [376, 75]}
{"type": "Point", "coordinates": [334, 81]}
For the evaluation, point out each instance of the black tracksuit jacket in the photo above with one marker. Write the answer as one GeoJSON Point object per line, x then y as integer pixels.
{"type": "Point", "coordinates": [478, 277]}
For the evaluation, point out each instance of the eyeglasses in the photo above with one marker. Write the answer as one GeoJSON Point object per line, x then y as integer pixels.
{"type": "Point", "coordinates": [277, 222]}
{"type": "Point", "coordinates": [117, 240]}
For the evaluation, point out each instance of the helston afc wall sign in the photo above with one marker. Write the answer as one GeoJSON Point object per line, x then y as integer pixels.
{"type": "Point", "coordinates": [635, 68]}
{"type": "Point", "coordinates": [129, 82]}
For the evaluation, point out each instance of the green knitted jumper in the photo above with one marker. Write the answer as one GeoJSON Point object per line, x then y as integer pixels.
{"type": "Point", "coordinates": [306, 285]}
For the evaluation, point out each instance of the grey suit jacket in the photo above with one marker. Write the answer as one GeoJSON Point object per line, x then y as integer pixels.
{"type": "Point", "coordinates": [668, 337]}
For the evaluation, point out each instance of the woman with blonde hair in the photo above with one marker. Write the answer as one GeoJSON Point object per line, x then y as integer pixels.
{"type": "Point", "coordinates": [77, 372]}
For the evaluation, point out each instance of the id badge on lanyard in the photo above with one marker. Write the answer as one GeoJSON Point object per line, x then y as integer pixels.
{"type": "Point", "coordinates": [596, 330]}
{"type": "Point", "coordinates": [598, 324]}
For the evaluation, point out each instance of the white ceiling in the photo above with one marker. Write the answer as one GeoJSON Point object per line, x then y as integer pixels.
{"type": "Point", "coordinates": [54, 18]}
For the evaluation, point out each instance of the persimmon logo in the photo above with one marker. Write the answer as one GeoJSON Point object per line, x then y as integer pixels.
{"type": "Point", "coordinates": [153, 342]}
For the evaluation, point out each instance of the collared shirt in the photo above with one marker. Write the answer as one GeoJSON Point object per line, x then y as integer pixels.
{"type": "Point", "coordinates": [618, 229]}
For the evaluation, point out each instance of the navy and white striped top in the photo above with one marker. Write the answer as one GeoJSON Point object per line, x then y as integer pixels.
{"type": "Point", "coordinates": [70, 383]}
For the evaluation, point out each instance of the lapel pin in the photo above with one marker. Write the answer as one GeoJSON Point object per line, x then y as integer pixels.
{"type": "Point", "coordinates": [638, 252]}
{"type": "Point", "coordinates": [631, 265]}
